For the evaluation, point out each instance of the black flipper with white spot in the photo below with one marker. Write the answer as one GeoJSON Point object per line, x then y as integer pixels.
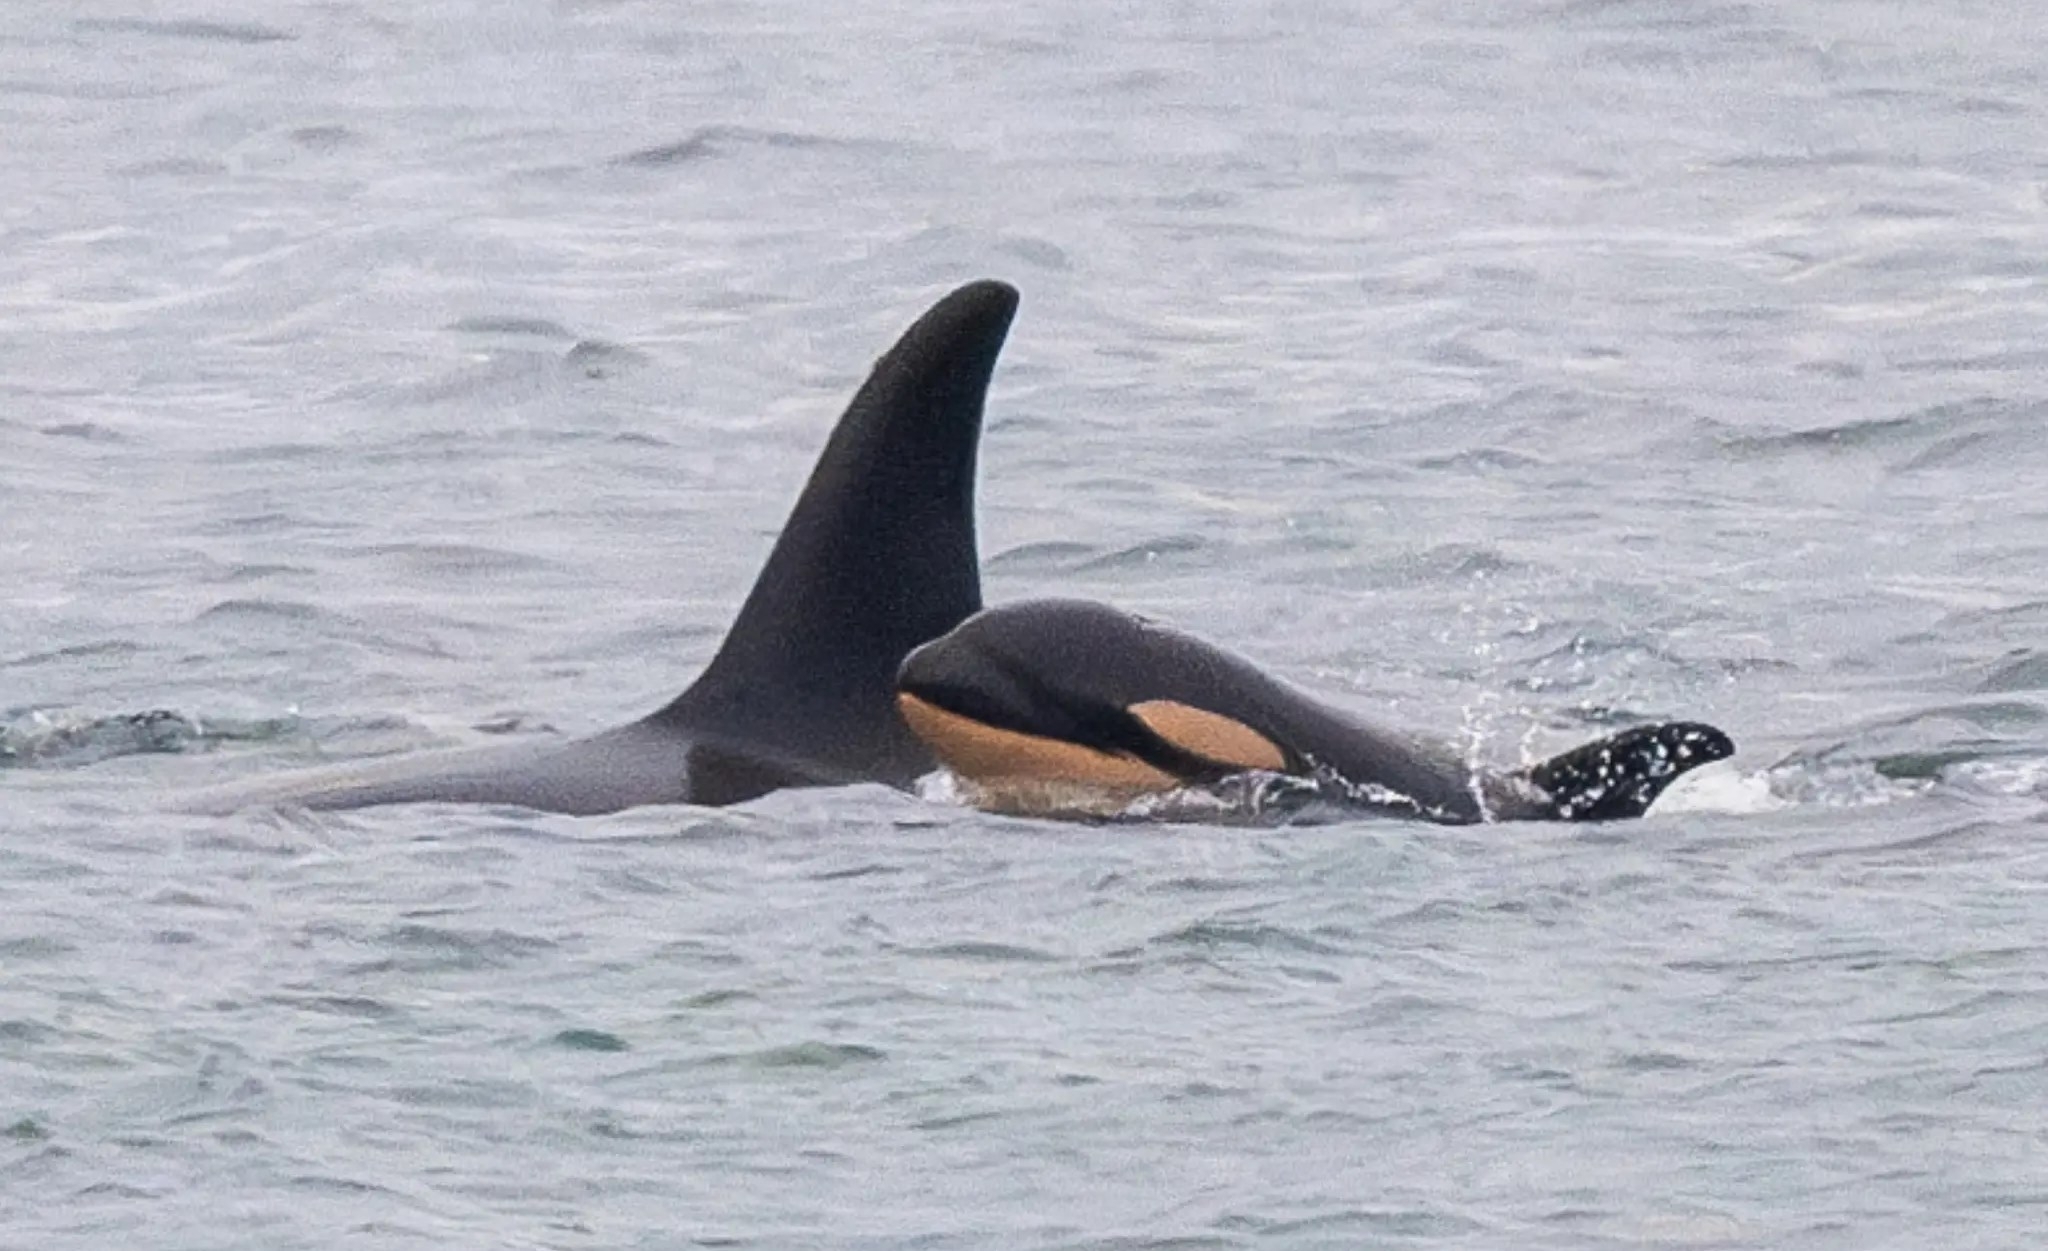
{"type": "Point", "coordinates": [1622, 775]}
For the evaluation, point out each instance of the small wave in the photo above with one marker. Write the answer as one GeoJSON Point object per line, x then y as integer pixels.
{"type": "Point", "coordinates": [1974, 362]}
{"type": "Point", "coordinates": [67, 738]}
{"type": "Point", "coordinates": [600, 358]}
{"type": "Point", "coordinates": [335, 1184]}
{"type": "Point", "coordinates": [359, 1007]}
{"type": "Point", "coordinates": [2024, 615]}
{"type": "Point", "coordinates": [1957, 451]}
{"type": "Point", "coordinates": [1055, 556]}
{"type": "Point", "coordinates": [1149, 552]}
{"type": "Point", "coordinates": [86, 431]}
{"type": "Point", "coordinates": [462, 1092]}
{"type": "Point", "coordinates": [803, 1055]}
{"type": "Point", "coordinates": [1840, 437]}
{"type": "Point", "coordinates": [1213, 934]}
{"type": "Point", "coordinates": [27, 1129]}
{"type": "Point", "coordinates": [708, 142]}
{"type": "Point", "coordinates": [272, 454]}
{"type": "Point", "coordinates": [1480, 460]}
{"type": "Point", "coordinates": [2015, 775]}
{"type": "Point", "coordinates": [1840, 783]}
{"type": "Point", "coordinates": [1043, 253]}
{"type": "Point", "coordinates": [1960, 841]}
{"type": "Point", "coordinates": [1901, 211]}
{"type": "Point", "coordinates": [1940, 437]}
{"type": "Point", "coordinates": [244, 614]}
{"type": "Point", "coordinates": [1447, 562]}
{"type": "Point", "coordinates": [1359, 1226]}
{"type": "Point", "coordinates": [1913, 753]}
{"type": "Point", "coordinates": [44, 738]}
{"type": "Point", "coordinates": [239, 610]}
{"type": "Point", "coordinates": [517, 370]}
{"type": "Point", "coordinates": [987, 953]}
{"type": "Point", "coordinates": [444, 560]}
{"type": "Point", "coordinates": [175, 167]}
{"type": "Point", "coordinates": [95, 89]}
{"type": "Point", "coordinates": [80, 651]}
{"type": "Point", "coordinates": [188, 28]}
{"type": "Point", "coordinates": [30, 1032]}
{"type": "Point", "coordinates": [35, 947]}
{"type": "Point", "coordinates": [955, 1120]}
{"type": "Point", "coordinates": [1840, 158]}
{"type": "Point", "coordinates": [322, 138]}
{"type": "Point", "coordinates": [435, 948]}
{"type": "Point", "coordinates": [2022, 670]}
{"type": "Point", "coordinates": [533, 327]}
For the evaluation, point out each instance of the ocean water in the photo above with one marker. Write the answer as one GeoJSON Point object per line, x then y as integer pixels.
{"type": "Point", "coordinates": [380, 376]}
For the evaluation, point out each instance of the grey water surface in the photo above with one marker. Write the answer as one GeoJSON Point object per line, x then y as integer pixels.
{"type": "Point", "coordinates": [378, 376]}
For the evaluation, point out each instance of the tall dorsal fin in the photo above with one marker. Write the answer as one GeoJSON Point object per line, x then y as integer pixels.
{"type": "Point", "coordinates": [877, 557]}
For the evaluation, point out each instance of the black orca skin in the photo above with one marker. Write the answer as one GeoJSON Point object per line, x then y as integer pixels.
{"type": "Point", "coordinates": [1070, 691]}
{"type": "Point", "coordinates": [877, 556]}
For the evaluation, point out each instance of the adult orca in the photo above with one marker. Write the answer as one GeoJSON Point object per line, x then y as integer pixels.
{"type": "Point", "coordinates": [877, 556]}
{"type": "Point", "coordinates": [1058, 697]}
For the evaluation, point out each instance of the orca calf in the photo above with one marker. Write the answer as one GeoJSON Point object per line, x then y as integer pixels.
{"type": "Point", "coordinates": [1035, 702]}
{"type": "Point", "coordinates": [877, 556]}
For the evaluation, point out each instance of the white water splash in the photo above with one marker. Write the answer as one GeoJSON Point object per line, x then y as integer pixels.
{"type": "Point", "coordinates": [1719, 788]}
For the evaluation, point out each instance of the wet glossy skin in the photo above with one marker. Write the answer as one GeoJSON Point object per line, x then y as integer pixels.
{"type": "Point", "coordinates": [877, 556]}
{"type": "Point", "coordinates": [1078, 692]}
